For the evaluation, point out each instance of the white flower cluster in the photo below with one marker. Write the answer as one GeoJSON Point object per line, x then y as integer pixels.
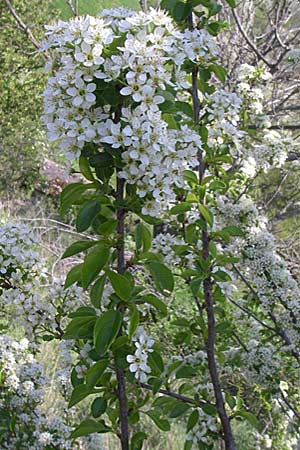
{"type": "Point", "coordinates": [155, 160]}
{"type": "Point", "coordinates": [250, 81]}
{"type": "Point", "coordinates": [138, 361]}
{"type": "Point", "coordinates": [163, 244]}
{"type": "Point", "coordinates": [39, 313]}
{"type": "Point", "coordinates": [272, 151]}
{"type": "Point", "coordinates": [85, 361]}
{"type": "Point", "coordinates": [242, 214]}
{"type": "Point", "coordinates": [140, 56]}
{"type": "Point", "coordinates": [223, 105]}
{"type": "Point", "coordinates": [23, 386]}
{"type": "Point", "coordinates": [20, 262]}
{"type": "Point", "coordinates": [22, 399]}
{"type": "Point", "coordinates": [22, 276]}
{"type": "Point", "coordinates": [278, 291]}
{"type": "Point", "coordinates": [261, 363]}
{"type": "Point", "coordinates": [223, 109]}
{"type": "Point", "coordinates": [201, 431]}
{"type": "Point", "coordinates": [277, 288]}
{"type": "Point", "coordinates": [272, 147]}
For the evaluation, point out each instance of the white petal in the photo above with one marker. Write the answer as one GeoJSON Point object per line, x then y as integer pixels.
{"type": "Point", "coordinates": [125, 91]}
{"type": "Point", "coordinates": [77, 101]}
{"type": "Point", "coordinates": [72, 91]}
{"type": "Point", "coordinates": [91, 87]}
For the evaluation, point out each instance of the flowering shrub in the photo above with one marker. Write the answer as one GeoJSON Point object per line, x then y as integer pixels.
{"type": "Point", "coordinates": [138, 99]}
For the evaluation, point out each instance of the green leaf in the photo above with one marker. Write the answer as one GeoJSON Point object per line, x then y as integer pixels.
{"type": "Point", "coordinates": [106, 329]}
{"type": "Point", "coordinates": [143, 237]}
{"type": "Point", "coordinates": [190, 177]}
{"type": "Point", "coordinates": [186, 108]}
{"type": "Point", "coordinates": [97, 291]}
{"type": "Point", "coordinates": [156, 385]}
{"type": "Point", "coordinates": [90, 426]}
{"type": "Point", "coordinates": [95, 372]}
{"type": "Point", "coordinates": [162, 424]}
{"type": "Point", "coordinates": [178, 410]}
{"type": "Point", "coordinates": [156, 303]}
{"type": "Point", "coordinates": [181, 208]}
{"type": "Point", "coordinates": [195, 285]}
{"type": "Point", "coordinates": [108, 227]}
{"type": "Point", "coordinates": [85, 168]}
{"type": "Point", "coordinates": [137, 440]}
{"type": "Point", "coordinates": [219, 71]}
{"type": "Point", "coordinates": [230, 400]}
{"type": "Point", "coordinates": [193, 419]}
{"type": "Point", "coordinates": [150, 219]}
{"type": "Point", "coordinates": [162, 276]}
{"type": "Point", "coordinates": [120, 342]}
{"type": "Point", "coordinates": [251, 418]}
{"type": "Point", "coordinates": [134, 320]}
{"type": "Point", "coordinates": [168, 4]}
{"type": "Point", "coordinates": [121, 285]}
{"type": "Point", "coordinates": [79, 393]}
{"type": "Point", "coordinates": [83, 311]}
{"type": "Point", "coordinates": [233, 230]}
{"type": "Point", "coordinates": [80, 327]}
{"type": "Point", "coordinates": [206, 213]}
{"type": "Point", "coordinates": [93, 263]}
{"type": "Point", "coordinates": [78, 247]}
{"type": "Point", "coordinates": [73, 276]}
{"type": "Point", "coordinates": [101, 160]}
{"type": "Point", "coordinates": [156, 363]}
{"type": "Point", "coordinates": [98, 407]}
{"type": "Point", "coordinates": [87, 214]}
{"type": "Point", "coordinates": [185, 372]}
{"type": "Point", "coordinates": [209, 409]}
{"type": "Point", "coordinates": [188, 445]}
{"type": "Point", "coordinates": [181, 11]}
{"type": "Point", "coordinates": [169, 118]}
{"type": "Point", "coordinates": [231, 3]}
{"type": "Point", "coordinates": [181, 322]}
{"type": "Point", "coordinates": [71, 194]}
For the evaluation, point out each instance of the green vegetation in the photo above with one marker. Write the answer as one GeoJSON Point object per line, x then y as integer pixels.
{"type": "Point", "coordinates": [91, 7]}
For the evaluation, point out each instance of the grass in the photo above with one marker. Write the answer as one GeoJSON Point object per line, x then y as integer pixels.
{"type": "Point", "coordinates": [91, 7]}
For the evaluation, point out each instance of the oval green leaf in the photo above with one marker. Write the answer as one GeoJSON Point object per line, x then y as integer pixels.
{"type": "Point", "coordinates": [106, 329]}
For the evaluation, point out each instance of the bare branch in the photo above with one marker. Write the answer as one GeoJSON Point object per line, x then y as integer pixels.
{"type": "Point", "coordinates": [179, 397]}
{"type": "Point", "coordinates": [250, 43]}
{"type": "Point", "coordinates": [280, 331]}
{"type": "Point", "coordinates": [73, 7]}
{"type": "Point", "coordinates": [24, 27]}
{"type": "Point", "coordinates": [292, 408]}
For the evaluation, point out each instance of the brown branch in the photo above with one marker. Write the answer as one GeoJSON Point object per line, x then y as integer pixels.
{"type": "Point", "coordinates": [250, 43]}
{"type": "Point", "coordinates": [210, 350]}
{"type": "Point", "coordinates": [251, 314]}
{"type": "Point", "coordinates": [124, 436]}
{"type": "Point", "coordinates": [278, 127]}
{"type": "Point", "coordinates": [277, 189]}
{"type": "Point", "coordinates": [278, 330]}
{"type": "Point", "coordinates": [175, 395]}
{"type": "Point", "coordinates": [24, 27]}
{"type": "Point", "coordinates": [73, 7]}
{"type": "Point", "coordinates": [207, 287]}
{"type": "Point", "coordinates": [288, 403]}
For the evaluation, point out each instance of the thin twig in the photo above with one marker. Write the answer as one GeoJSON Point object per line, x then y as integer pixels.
{"type": "Point", "coordinates": [24, 27]}
{"type": "Point", "coordinates": [280, 331]}
{"type": "Point", "coordinates": [250, 43]}
{"type": "Point", "coordinates": [175, 395]}
{"type": "Point", "coordinates": [287, 402]}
